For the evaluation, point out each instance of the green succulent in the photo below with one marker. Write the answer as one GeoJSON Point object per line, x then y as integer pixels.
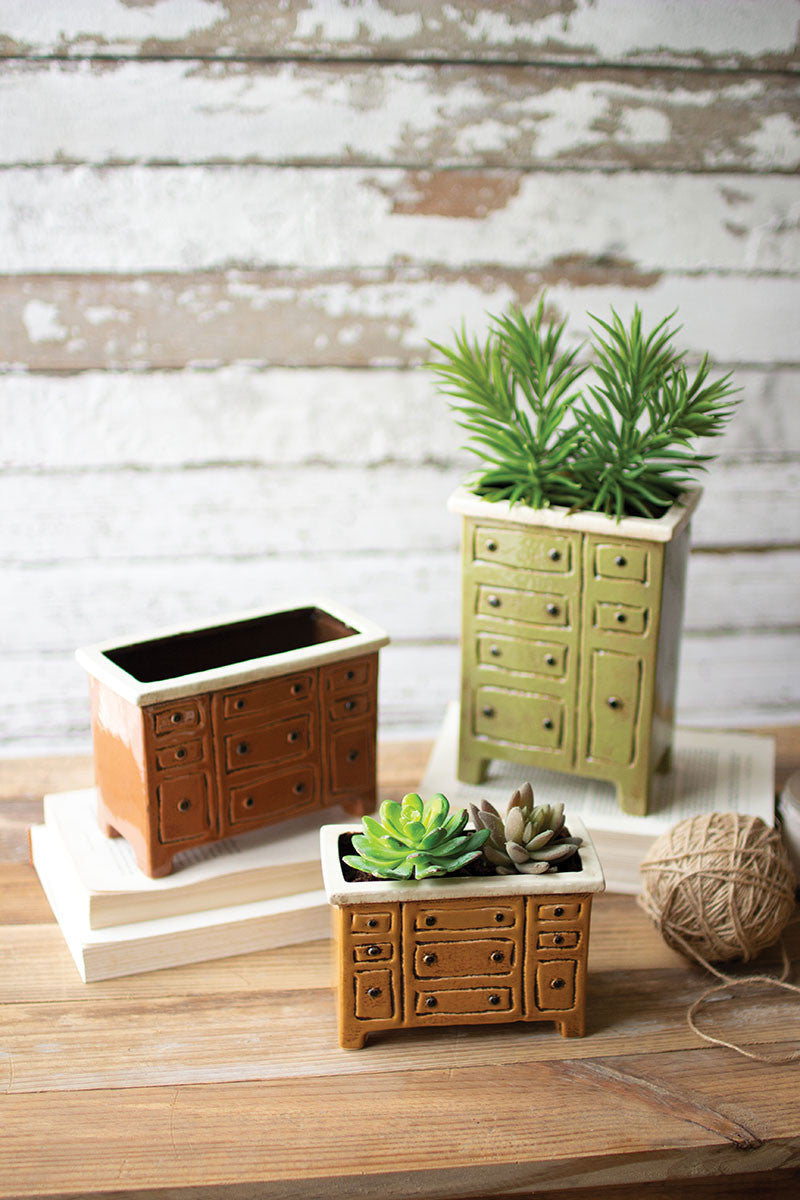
{"type": "Point", "coordinates": [414, 840]}
{"type": "Point", "coordinates": [530, 839]}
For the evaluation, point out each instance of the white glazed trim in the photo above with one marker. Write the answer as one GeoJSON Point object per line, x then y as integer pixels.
{"type": "Point", "coordinates": [651, 529]}
{"type": "Point", "coordinates": [455, 887]}
{"type": "Point", "coordinates": [369, 637]}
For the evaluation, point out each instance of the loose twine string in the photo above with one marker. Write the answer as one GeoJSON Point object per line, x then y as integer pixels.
{"type": "Point", "coordinates": [722, 883]}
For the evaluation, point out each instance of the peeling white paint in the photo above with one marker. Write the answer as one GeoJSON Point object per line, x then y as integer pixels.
{"type": "Point", "coordinates": [42, 323]}
{"type": "Point", "coordinates": [98, 25]}
{"type": "Point", "coordinates": [321, 21]}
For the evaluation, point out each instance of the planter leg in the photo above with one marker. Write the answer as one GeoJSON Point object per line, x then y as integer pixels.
{"type": "Point", "coordinates": [359, 808]}
{"type": "Point", "coordinates": [349, 1040]}
{"type": "Point", "coordinates": [665, 762]}
{"type": "Point", "coordinates": [632, 800]}
{"type": "Point", "coordinates": [574, 1026]}
{"type": "Point", "coordinates": [471, 769]}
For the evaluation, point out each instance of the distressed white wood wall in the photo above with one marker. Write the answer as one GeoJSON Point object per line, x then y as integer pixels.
{"type": "Point", "coordinates": [226, 231]}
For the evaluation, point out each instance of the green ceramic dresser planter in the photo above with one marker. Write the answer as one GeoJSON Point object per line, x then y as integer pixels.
{"type": "Point", "coordinates": [575, 543]}
{"type": "Point", "coordinates": [570, 633]}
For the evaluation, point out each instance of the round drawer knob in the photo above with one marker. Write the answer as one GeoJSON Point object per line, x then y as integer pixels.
{"type": "Point", "coordinates": [249, 801]}
{"type": "Point", "coordinates": [430, 920]}
{"type": "Point", "coordinates": [548, 723]}
{"type": "Point", "coordinates": [176, 718]}
{"type": "Point", "coordinates": [614, 702]}
{"type": "Point", "coordinates": [429, 959]}
{"type": "Point", "coordinates": [494, 601]}
{"type": "Point", "coordinates": [239, 704]}
{"type": "Point", "coordinates": [350, 675]}
{"type": "Point", "coordinates": [299, 788]}
{"type": "Point", "coordinates": [558, 939]}
{"type": "Point", "coordinates": [352, 756]}
{"type": "Point", "coordinates": [373, 993]}
{"type": "Point", "coordinates": [494, 651]}
{"type": "Point", "coordinates": [487, 710]}
{"type": "Point", "coordinates": [297, 689]}
{"type": "Point", "coordinates": [554, 555]}
{"type": "Point", "coordinates": [349, 705]}
{"type": "Point", "coordinates": [184, 805]}
{"type": "Point", "coordinates": [372, 923]}
{"type": "Point", "coordinates": [430, 1002]}
{"type": "Point", "coordinates": [494, 1000]}
{"type": "Point", "coordinates": [557, 983]}
{"type": "Point", "coordinates": [552, 610]}
{"type": "Point", "coordinates": [499, 917]}
{"type": "Point", "coordinates": [294, 736]}
{"type": "Point", "coordinates": [180, 753]}
{"type": "Point", "coordinates": [242, 748]}
{"type": "Point", "coordinates": [373, 951]}
{"type": "Point", "coordinates": [621, 560]}
{"type": "Point", "coordinates": [620, 618]}
{"type": "Point", "coordinates": [559, 912]}
{"type": "Point", "coordinates": [497, 956]}
{"type": "Point", "coordinates": [491, 545]}
{"type": "Point", "coordinates": [550, 659]}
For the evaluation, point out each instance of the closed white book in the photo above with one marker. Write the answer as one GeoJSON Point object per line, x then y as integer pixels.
{"type": "Point", "coordinates": [712, 771]}
{"type": "Point", "coordinates": [139, 946]}
{"type": "Point", "coordinates": [278, 860]}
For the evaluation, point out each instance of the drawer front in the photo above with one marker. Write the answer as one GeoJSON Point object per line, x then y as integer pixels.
{"type": "Point", "coordinates": [371, 922]}
{"type": "Point", "coordinates": [268, 743]}
{"type": "Point", "coordinates": [269, 799]}
{"type": "Point", "coordinates": [177, 717]}
{"type": "Point", "coordinates": [350, 707]}
{"type": "Point", "coordinates": [352, 758]}
{"type": "Point", "coordinates": [374, 995]}
{"type": "Point", "coordinates": [183, 811]}
{"type": "Point", "coordinates": [517, 654]}
{"type": "Point", "coordinates": [441, 917]}
{"type": "Point", "coordinates": [183, 754]}
{"type": "Point", "coordinates": [621, 562]}
{"type": "Point", "coordinates": [529, 720]}
{"type": "Point", "coordinates": [620, 618]}
{"type": "Point", "coordinates": [347, 676]}
{"type": "Point", "coordinates": [483, 956]}
{"type": "Point", "coordinates": [555, 984]}
{"type": "Point", "coordinates": [565, 910]}
{"type": "Point", "coordinates": [443, 1002]}
{"type": "Point", "coordinates": [536, 608]}
{"type": "Point", "coordinates": [373, 952]}
{"type": "Point", "coordinates": [567, 939]}
{"type": "Point", "coordinates": [616, 689]}
{"type": "Point", "coordinates": [533, 551]}
{"type": "Point", "coordinates": [271, 693]}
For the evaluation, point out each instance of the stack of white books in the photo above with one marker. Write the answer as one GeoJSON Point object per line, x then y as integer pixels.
{"type": "Point", "coordinates": [711, 772]}
{"type": "Point", "coordinates": [250, 892]}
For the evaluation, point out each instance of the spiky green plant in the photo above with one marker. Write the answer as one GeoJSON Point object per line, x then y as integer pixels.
{"type": "Point", "coordinates": [621, 446]}
{"type": "Point", "coordinates": [531, 839]}
{"type": "Point", "coordinates": [414, 840]}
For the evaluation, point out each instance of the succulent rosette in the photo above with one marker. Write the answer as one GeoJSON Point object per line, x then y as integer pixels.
{"type": "Point", "coordinates": [415, 840]}
{"type": "Point", "coordinates": [530, 839]}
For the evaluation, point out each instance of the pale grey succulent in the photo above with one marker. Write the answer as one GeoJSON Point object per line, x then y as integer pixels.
{"type": "Point", "coordinates": [530, 839]}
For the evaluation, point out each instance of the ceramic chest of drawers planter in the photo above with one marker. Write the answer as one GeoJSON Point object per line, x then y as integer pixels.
{"type": "Point", "coordinates": [570, 635]}
{"type": "Point", "coordinates": [206, 732]}
{"type": "Point", "coordinates": [460, 950]}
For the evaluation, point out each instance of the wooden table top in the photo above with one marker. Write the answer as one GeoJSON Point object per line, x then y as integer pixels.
{"type": "Point", "coordinates": [224, 1081]}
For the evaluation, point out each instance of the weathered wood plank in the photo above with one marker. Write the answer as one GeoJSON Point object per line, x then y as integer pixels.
{"type": "Point", "coordinates": [725, 679]}
{"type": "Point", "coordinates": [237, 414]}
{"type": "Point", "coordinates": [223, 512]}
{"type": "Point", "coordinates": [184, 219]}
{"type": "Point", "coordinates": [720, 33]}
{"type": "Point", "coordinates": [289, 113]}
{"type": "Point", "coordinates": [359, 318]}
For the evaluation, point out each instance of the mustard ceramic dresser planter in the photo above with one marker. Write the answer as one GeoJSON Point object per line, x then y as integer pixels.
{"type": "Point", "coordinates": [570, 634]}
{"type": "Point", "coordinates": [460, 950]}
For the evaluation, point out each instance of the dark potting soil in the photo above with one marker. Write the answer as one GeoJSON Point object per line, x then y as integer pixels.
{"type": "Point", "coordinates": [479, 866]}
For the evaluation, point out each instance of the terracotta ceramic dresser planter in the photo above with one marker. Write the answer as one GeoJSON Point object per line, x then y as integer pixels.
{"type": "Point", "coordinates": [206, 732]}
{"type": "Point", "coordinates": [570, 636]}
{"type": "Point", "coordinates": [460, 950]}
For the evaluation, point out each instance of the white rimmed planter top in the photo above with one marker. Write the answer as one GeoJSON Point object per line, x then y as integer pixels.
{"type": "Point", "coordinates": [365, 638]}
{"type": "Point", "coordinates": [454, 887]}
{"type": "Point", "coordinates": [651, 529]}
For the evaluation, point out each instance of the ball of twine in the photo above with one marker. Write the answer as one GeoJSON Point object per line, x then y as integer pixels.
{"type": "Point", "coordinates": [719, 887]}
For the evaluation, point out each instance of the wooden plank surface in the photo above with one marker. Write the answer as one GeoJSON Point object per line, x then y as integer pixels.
{"type": "Point", "coordinates": [721, 33]}
{"type": "Point", "coordinates": [442, 116]}
{"type": "Point", "coordinates": [230, 1075]}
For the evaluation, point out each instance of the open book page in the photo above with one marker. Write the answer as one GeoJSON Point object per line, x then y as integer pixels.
{"type": "Point", "coordinates": [108, 864]}
{"type": "Point", "coordinates": [711, 770]}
